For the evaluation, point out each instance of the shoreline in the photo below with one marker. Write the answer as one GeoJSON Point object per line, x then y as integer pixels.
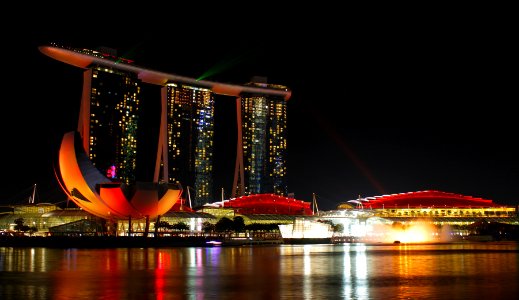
{"type": "Point", "coordinates": [89, 242]}
{"type": "Point", "coordinates": [101, 242]}
{"type": "Point", "coordinates": [128, 242]}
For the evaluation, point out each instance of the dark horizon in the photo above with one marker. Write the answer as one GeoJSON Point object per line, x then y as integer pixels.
{"type": "Point", "coordinates": [395, 114]}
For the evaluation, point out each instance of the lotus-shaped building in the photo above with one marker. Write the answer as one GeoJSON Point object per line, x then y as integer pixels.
{"type": "Point", "coordinates": [104, 197]}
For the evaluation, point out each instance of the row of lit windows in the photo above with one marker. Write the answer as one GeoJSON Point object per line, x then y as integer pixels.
{"type": "Point", "coordinates": [185, 105]}
{"type": "Point", "coordinates": [438, 213]}
{"type": "Point", "coordinates": [255, 114]}
{"type": "Point", "coordinates": [125, 152]}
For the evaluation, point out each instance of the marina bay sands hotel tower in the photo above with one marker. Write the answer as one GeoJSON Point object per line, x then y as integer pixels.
{"type": "Point", "coordinates": [110, 111]}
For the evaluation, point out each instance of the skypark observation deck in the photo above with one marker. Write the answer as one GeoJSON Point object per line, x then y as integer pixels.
{"type": "Point", "coordinates": [83, 58]}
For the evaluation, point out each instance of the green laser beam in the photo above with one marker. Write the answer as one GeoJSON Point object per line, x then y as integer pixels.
{"type": "Point", "coordinates": [226, 64]}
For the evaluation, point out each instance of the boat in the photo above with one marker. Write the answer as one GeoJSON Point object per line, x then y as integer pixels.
{"type": "Point", "coordinates": [306, 231]}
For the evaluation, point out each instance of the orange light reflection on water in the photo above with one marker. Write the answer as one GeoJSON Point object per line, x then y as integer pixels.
{"type": "Point", "coordinates": [412, 233]}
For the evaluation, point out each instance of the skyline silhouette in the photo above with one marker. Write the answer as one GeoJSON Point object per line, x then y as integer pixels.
{"type": "Point", "coordinates": [388, 113]}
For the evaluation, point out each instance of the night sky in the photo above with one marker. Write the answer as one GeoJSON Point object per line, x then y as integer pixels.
{"type": "Point", "coordinates": [377, 107]}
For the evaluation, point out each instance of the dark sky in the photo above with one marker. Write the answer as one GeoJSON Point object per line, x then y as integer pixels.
{"type": "Point", "coordinates": [379, 105]}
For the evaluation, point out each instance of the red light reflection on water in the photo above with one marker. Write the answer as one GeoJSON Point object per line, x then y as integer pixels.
{"type": "Point", "coordinates": [163, 262]}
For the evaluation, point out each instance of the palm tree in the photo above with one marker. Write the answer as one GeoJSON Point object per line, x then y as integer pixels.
{"type": "Point", "coordinates": [21, 227]}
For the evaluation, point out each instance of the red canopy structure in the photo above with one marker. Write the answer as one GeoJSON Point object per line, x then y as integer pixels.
{"type": "Point", "coordinates": [422, 199]}
{"type": "Point", "coordinates": [266, 204]}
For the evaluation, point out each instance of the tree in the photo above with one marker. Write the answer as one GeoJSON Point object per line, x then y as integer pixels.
{"type": "Point", "coordinates": [32, 230]}
{"type": "Point", "coordinates": [181, 226]}
{"type": "Point", "coordinates": [20, 225]}
{"type": "Point", "coordinates": [238, 224]}
{"type": "Point", "coordinates": [224, 224]}
{"type": "Point", "coordinates": [162, 224]}
{"type": "Point", "coordinates": [208, 227]}
{"type": "Point", "coordinates": [338, 228]}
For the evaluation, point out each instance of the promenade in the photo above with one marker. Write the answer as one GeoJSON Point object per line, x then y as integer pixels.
{"type": "Point", "coordinates": [131, 242]}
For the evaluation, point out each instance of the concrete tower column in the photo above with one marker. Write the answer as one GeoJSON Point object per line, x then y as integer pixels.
{"type": "Point", "coordinates": [162, 149]}
{"type": "Point", "coordinates": [83, 126]}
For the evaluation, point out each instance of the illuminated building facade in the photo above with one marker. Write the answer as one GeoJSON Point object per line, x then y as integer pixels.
{"type": "Point", "coordinates": [189, 139]}
{"type": "Point", "coordinates": [441, 207]}
{"type": "Point", "coordinates": [108, 127]}
{"type": "Point", "coordinates": [109, 120]}
{"type": "Point", "coordinates": [262, 143]}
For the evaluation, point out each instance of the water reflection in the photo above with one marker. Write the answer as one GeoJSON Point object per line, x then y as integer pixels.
{"type": "Point", "coordinates": [354, 277]}
{"type": "Point", "coordinates": [348, 271]}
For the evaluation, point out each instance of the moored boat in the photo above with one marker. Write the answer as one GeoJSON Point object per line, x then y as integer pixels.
{"type": "Point", "coordinates": [306, 231]}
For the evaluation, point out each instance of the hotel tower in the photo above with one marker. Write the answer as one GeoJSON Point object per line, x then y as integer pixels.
{"type": "Point", "coordinates": [108, 120]}
{"type": "Point", "coordinates": [186, 140]}
{"type": "Point", "coordinates": [262, 142]}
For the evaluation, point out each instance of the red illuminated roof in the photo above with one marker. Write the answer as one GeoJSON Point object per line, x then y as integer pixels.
{"type": "Point", "coordinates": [266, 204]}
{"type": "Point", "coordinates": [180, 206]}
{"type": "Point", "coordinates": [423, 199]}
